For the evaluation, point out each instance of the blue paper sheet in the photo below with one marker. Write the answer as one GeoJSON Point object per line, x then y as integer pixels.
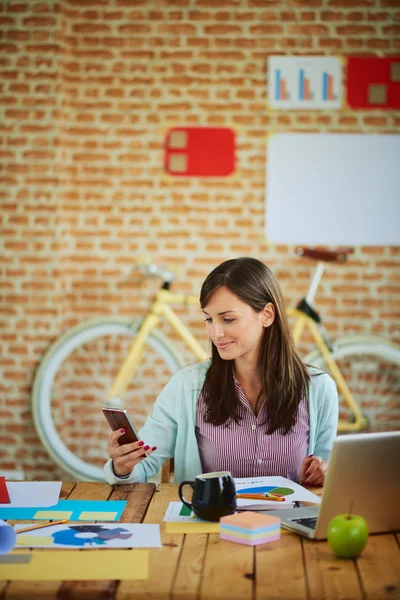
{"type": "Point", "coordinates": [74, 510]}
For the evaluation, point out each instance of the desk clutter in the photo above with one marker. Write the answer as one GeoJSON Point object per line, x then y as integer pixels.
{"type": "Point", "coordinates": [252, 494]}
{"type": "Point", "coordinates": [96, 525]}
{"type": "Point", "coordinates": [39, 501]}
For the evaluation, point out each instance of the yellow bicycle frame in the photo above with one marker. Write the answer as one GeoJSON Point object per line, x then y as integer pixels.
{"type": "Point", "coordinates": [302, 322]}
{"type": "Point", "coordinates": [160, 308]}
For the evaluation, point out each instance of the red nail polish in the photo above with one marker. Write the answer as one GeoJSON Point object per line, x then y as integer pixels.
{"type": "Point", "coordinates": [123, 430]}
{"type": "Point", "coordinates": [141, 443]}
{"type": "Point", "coordinates": [146, 448]}
{"type": "Point", "coordinates": [307, 473]}
{"type": "Point", "coordinates": [154, 448]}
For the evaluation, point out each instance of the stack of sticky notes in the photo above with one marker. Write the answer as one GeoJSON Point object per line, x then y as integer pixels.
{"type": "Point", "coordinates": [250, 528]}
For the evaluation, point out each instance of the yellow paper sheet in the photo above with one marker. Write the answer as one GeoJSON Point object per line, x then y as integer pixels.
{"type": "Point", "coordinates": [53, 515]}
{"type": "Point", "coordinates": [29, 540]}
{"type": "Point", "coordinates": [97, 516]}
{"type": "Point", "coordinates": [58, 565]}
{"type": "Point", "coordinates": [185, 527]}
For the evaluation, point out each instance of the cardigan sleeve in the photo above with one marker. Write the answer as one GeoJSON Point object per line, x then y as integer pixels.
{"type": "Point", "coordinates": [327, 416]}
{"type": "Point", "coordinates": [160, 429]}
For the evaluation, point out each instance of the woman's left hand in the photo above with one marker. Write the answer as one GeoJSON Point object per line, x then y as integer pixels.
{"type": "Point", "coordinates": [313, 470]}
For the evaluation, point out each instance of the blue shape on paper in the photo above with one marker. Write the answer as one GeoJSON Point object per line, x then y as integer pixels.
{"type": "Point", "coordinates": [76, 507]}
{"type": "Point", "coordinates": [257, 490]}
{"type": "Point", "coordinates": [68, 536]}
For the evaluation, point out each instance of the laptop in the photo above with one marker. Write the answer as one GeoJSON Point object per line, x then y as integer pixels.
{"type": "Point", "coordinates": [363, 472]}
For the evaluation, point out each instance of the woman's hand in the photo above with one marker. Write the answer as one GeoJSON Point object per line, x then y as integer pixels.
{"type": "Point", "coordinates": [126, 457]}
{"type": "Point", "coordinates": [313, 470]}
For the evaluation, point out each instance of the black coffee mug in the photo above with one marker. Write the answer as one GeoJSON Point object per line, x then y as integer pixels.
{"type": "Point", "coordinates": [214, 495]}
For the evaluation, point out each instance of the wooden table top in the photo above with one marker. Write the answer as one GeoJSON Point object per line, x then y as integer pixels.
{"type": "Point", "coordinates": [202, 567]}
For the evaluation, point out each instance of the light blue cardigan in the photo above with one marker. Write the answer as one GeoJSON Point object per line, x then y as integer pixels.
{"type": "Point", "coordinates": [171, 426]}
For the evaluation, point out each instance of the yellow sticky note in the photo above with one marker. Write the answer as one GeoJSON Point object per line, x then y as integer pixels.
{"type": "Point", "coordinates": [53, 515]}
{"type": "Point", "coordinates": [34, 540]}
{"type": "Point", "coordinates": [67, 565]}
{"type": "Point", "coordinates": [97, 516]}
{"type": "Point", "coordinates": [185, 527]}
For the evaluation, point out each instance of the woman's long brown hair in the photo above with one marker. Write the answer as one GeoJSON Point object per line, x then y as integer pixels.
{"type": "Point", "coordinates": [284, 377]}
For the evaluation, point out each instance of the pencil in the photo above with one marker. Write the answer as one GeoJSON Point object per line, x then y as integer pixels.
{"type": "Point", "coordinates": [273, 497]}
{"type": "Point", "coordinates": [260, 497]}
{"type": "Point", "coordinates": [41, 525]}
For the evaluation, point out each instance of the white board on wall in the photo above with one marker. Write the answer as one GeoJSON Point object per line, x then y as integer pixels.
{"type": "Point", "coordinates": [333, 189]}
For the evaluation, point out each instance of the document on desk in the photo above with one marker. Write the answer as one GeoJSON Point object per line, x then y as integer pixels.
{"type": "Point", "coordinates": [180, 519]}
{"type": "Point", "coordinates": [90, 535]}
{"type": "Point", "coordinates": [282, 493]}
{"type": "Point", "coordinates": [32, 493]}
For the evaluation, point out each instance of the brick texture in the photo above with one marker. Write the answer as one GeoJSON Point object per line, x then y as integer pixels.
{"type": "Point", "coordinates": [88, 90]}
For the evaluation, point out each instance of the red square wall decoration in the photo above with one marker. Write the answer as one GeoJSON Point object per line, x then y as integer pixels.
{"type": "Point", "coordinates": [373, 82]}
{"type": "Point", "coordinates": [200, 151]}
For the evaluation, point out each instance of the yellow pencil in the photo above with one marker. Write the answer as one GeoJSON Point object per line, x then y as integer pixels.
{"type": "Point", "coordinates": [273, 497]}
{"type": "Point", "coordinates": [41, 525]}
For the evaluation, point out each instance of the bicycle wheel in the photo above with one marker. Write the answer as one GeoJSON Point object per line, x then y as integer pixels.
{"type": "Point", "coordinates": [71, 383]}
{"type": "Point", "coordinates": [370, 367]}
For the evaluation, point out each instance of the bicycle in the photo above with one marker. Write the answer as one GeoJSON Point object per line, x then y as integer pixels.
{"type": "Point", "coordinates": [71, 384]}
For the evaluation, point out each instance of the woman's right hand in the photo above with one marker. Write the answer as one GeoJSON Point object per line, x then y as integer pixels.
{"type": "Point", "coordinates": [126, 457]}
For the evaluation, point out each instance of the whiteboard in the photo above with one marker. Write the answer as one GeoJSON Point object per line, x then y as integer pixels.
{"type": "Point", "coordinates": [333, 189]}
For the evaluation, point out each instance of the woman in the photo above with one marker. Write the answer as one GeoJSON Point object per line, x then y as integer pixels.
{"type": "Point", "coordinates": [254, 409]}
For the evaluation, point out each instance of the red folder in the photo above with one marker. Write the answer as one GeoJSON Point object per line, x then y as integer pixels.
{"type": "Point", "coordinates": [4, 497]}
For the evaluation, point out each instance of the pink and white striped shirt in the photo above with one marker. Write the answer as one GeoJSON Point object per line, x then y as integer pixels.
{"type": "Point", "coordinates": [245, 449]}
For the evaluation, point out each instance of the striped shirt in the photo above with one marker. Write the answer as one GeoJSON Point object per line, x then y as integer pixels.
{"type": "Point", "coordinates": [245, 449]}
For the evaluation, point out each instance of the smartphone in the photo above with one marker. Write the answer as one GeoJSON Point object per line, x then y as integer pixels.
{"type": "Point", "coordinates": [118, 419]}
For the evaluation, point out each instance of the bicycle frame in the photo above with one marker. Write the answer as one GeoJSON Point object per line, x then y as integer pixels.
{"type": "Point", "coordinates": [160, 308]}
{"type": "Point", "coordinates": [302, 322]}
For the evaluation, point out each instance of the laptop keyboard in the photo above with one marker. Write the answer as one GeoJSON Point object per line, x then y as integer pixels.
{"type": "Point", "coordinates": [310, 522]}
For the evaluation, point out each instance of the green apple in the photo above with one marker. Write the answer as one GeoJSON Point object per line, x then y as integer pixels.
{"type": "Point", "coordinates": [347, 535]}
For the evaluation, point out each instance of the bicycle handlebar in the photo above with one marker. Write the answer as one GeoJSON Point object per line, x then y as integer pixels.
{"type": "Point", "coordinates": [154, 270]}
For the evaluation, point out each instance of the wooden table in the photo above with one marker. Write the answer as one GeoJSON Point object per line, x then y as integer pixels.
{"type": "Point", "coordinates": [200, 566]}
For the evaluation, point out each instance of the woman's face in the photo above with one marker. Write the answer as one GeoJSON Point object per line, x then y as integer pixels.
{"type": "Point", "coordinates": [234, 327]}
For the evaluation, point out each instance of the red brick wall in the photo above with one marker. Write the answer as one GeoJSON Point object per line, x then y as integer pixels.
{"type": "Point", "coordinates": [88, 90]}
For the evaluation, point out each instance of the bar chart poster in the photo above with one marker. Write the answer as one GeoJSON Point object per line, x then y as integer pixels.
{"type": "Point", "coordinates": [304, 82]}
